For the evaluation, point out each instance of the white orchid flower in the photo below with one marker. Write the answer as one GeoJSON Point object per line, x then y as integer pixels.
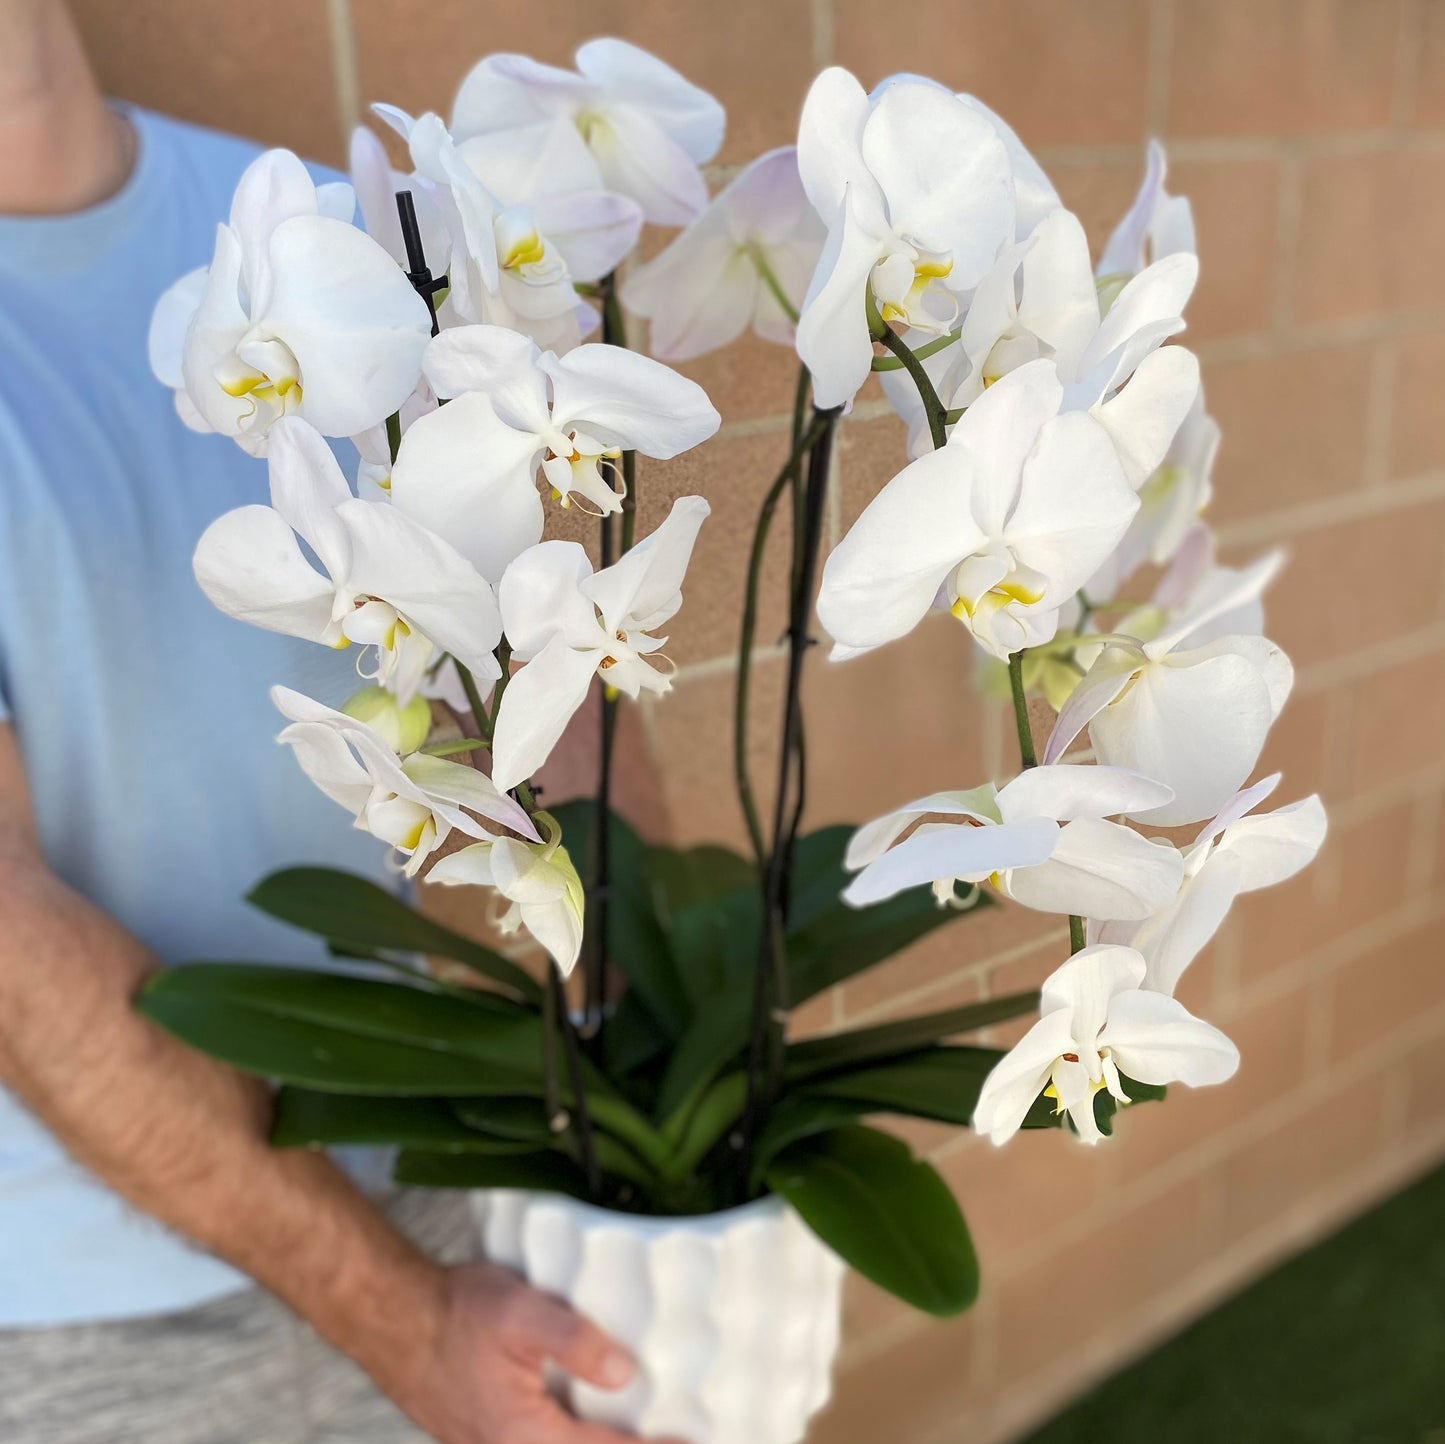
{"type": "Point", "coordinates": [468, 471]}
{"type": "Point", "coordinates": [1043, 840]}
{"type": "Point", "coordinates": [386, 582]}
{"type": "Point", "coordinates": [1097, 1026]}
{"type": "Point", "coordinates": [537, 879]}
{"type": "Point", "coordinates": [504, 270]}
{"type": "Point", "coordinates": [914, 234]}
{"type": "Point", "coordinates": [1187, 706]}
{"type": "Point", "coordinates": [1040, 300]}
{"type": "Point", "coordinates": [568, 624]}
{"type": "Point", "coordinates": [1002, 525]}
{"type": "Point", "coordinates": [1157, 225]}
{"type": "Point", "coordinates": [745, 261]}
{"type": "Point", "coordinates": [299, 313]}
{"type": "Point", "coordinates": [1171, 502]}
{"type": "Point", "coordinates": [624, 121]}
{"type": "Point", "coordinates": [414, 803]}
{"type": "Point", "coordinates": [1235, 853]}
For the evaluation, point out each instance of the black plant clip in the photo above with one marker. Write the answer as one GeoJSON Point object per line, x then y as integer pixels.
{"type": "Point", "coordinates": [417, 272]}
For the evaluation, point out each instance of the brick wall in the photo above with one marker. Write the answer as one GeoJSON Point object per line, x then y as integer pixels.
{"type": "Point", "coordinates": [1310, 135]}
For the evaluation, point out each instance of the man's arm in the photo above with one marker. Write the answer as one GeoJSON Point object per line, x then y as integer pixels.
{"type": "Point", "coordinates": [184, 1139]}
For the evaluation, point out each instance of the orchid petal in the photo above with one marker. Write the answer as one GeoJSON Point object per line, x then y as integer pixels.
{"type": "Point", "coordinates": [643, 589]}
{"type": "Point", "coordinates": [466, 475]}
{"type": "Point", "coordinates": [541, 596]}
{"type": "Point", "coordinates": [691, 116]}
{"type": "Point", "coordinates": [1102, 870]}
{"type": "Point", "coordinates": [1067, 791]}
{"type": "Point", "coordinates": [539, 702]}
{"type": "Point", "coordinates": [949, 850]}
{"type": "Point", "coordinates": [1157, 1040]}
{"type": "Point", "coordinates": [1020, 1076]}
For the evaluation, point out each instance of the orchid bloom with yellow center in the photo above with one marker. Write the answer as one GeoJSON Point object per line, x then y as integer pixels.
{"type": "Point", "coordinates": [387, 583]}
{"type": "Point", "coordinates": [469, 470]}
{"type": "Point", "coordinates": [912, 236]}
{"type": "Point", "coordinates": [1099, 1026]}
{"type": "Point", "coordinates": [414, 803]}
{"type": "Point", "coordinates": [299, 313]}
{"type": "Point", "coordinates": [569, 624]}
{"type": "Point", "coordinates": [1001, 526]}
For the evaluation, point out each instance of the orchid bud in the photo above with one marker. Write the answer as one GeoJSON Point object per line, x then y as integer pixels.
{"type": "Point", "coordinates": [404, 729]}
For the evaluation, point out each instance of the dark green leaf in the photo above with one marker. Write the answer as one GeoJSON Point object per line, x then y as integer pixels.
{"type": "Point", "coordinates": [715, 1036]}
{"type": "Point", "coordinates": [883, 1211]}
{"type": "Point", "coordinates": [818, 875]}
{"type": "Point", "coordinates": [548, 1172]}
{"type": "Point", "coordinates": [818, 1055]}
{"type": "Point", "coordinates": [938, 1083]}
{"type": "Point", "coordinates": [352, 912]}
{"type": "Point", "coordinates": [845, 941]}
{"type": "Point", "coordinates": [307, 1119]}
{"type": "Point", "coordinates": [344, 1034]}
{"type": "Point", "coordinates": [523, 1120]}
{"type": "Point", "coordinates": [632, 1036]}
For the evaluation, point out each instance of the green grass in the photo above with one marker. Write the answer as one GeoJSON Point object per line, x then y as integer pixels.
{"type": "Point", "coordinates": [1343, 1345]}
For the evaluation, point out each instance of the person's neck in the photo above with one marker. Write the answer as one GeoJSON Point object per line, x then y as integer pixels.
{"type": "Point", "coordinates": [62, 148]}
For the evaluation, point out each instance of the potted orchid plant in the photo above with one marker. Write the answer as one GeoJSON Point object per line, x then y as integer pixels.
{"type": "Point", "coordinates": [665, 1155]}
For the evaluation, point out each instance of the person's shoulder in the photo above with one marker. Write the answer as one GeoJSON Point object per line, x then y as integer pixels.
{"type": "Point", "coordinates": [209, 160]}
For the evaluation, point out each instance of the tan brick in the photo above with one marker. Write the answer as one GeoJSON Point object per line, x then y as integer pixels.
{"type": "Point", "coordinates": [734, 474]}
{"type": "Point", "coordinates": [1301, 744]}
{"type": "Point", "coordinates": [757, 64]}
{"type": "Point", "coordinates": [1429, 107]}
{"type": "Point", "coordinates": [1417, 440]}
{"type": "Point", "coordinates": [1396, 722]}
{"type": "Point", "coordinates": [1236, 210]}
{"type": "Point", "coordinates": [1054, 1308]}
{"type": "Point", "coordinates": [1282, 66]}
{"type": "Point", "coordinates": [220, 68]}
{"type": "Point", "coordinates": [1062, 74]}
{"type": "Point", "coordinates": [1316, 611]}
{"type": "Point", "coordinates": [909, 1391]}
{"type": "Point", "coordinates": [1294, 428]}
{"type": "Point", "coordinates": [692, 734]}
{"type": "Point", "coordinates": [1271, 1037]}
{"type": "Point", "coordinates": [1362, 874]}
{"type": "Point", "coordinates": [1385, 990]}
{"type": "Point", "coordinates": [1099, 193]}
{"type": "Point", "coordinates": [1017, 1196]}
{"type": "Point", "coordinates": [1324, 1146]}
{"type": "Point", "coordinates": [1424, 1071]}
{"type": "Point", "coordinates": [1349, 263]}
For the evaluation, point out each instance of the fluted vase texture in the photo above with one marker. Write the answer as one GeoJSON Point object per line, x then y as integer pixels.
{"type": "Point", "coordinates": [733, 1317]}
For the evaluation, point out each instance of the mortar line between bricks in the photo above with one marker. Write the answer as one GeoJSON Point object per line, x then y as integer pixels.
{"type": "Point", "coordinates": [344, 69]}
{"type": "Point", "coordinates": [824, 34]}
{"type": "Point", "coordinates": [1380, 412]}
{"type": "Point", "coordinates": [1423, 785]}
{"type": "Point", "coordinates": [1316, 1217]}
{"type": "Point", "coordinates": [1290, 205]}
{"type": "Point", "coordinates": [1358, 504]}
{"type": "Point", "coordinates": [1410, 647]}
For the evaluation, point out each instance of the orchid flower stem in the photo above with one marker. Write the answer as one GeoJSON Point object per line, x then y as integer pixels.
{"type": "Point", "coordinates": [596, 922]}
{"type": "Point", "coordinates": [474, 701]}
{"type": "Point", "coordinates": [393, 435]}
{"type": "Point", "coordinates": [582, 1118]}
{"type": "Point", "coordinates": [785, 477]}
{"type": "Point", "coordinates": [909, 360]}
{"type": "Point", "coordinates": [931, 348]}
{"type": "Point", "coordinates": [770, 993]}
{"type": "Point", "coordinates": [1076, 934]}
{"type": "Point", "coordinates": [771, 281]}
{"type": "Point", "coordinates": [1021, 711]}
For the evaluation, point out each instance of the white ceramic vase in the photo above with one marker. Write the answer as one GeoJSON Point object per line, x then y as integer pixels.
{"type": "Point", "coordinates": [733, 1317]}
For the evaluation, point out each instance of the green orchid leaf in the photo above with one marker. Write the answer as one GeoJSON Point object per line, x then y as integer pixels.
{"type": "Point", "coordinates": [885, 1212]}
{"type": "Point", "coordinates": [353, 912]}
{"type": "Point", "coordinates": [820, 1055]}
{"type": "Point", "coordinates": [305, 1118]}
{"type": "Point", "coordinates": [343, 1034]}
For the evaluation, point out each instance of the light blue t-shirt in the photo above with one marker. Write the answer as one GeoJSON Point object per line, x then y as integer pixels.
{"type": "Point", "coordinates": [141, 712]}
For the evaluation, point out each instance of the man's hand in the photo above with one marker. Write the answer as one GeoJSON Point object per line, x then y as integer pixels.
{"type": "Point", "coordinates": [479, 1380]}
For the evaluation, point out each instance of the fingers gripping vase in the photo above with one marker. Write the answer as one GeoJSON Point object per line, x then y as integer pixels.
{"type": "Point", "coordinates": [733, 1317]}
